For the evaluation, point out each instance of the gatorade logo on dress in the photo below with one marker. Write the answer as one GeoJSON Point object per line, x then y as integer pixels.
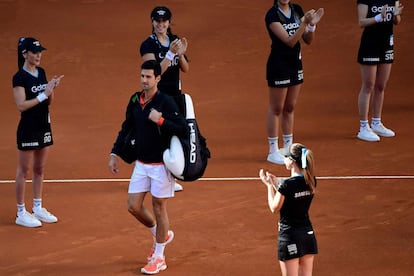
{"type": "Point", "coordinates": [38, 88]}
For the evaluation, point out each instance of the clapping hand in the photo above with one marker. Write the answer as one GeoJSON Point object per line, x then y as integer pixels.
{"type": "Point", "coordinates": [52, 84]}
{"type": "Point", "coordinates": [182, 46]}
{"type": "Point", "coordinates": [312, 17]}
{"type": "Point", "coordinates": [316, 17]}
{"type": "Point", "coordinates": [268, 179]}
{"type": "Point", "coordinates": [398, 8]}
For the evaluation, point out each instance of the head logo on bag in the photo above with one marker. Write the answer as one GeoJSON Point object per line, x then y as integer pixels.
{"type": "Point", "coordinates": [188, 156]}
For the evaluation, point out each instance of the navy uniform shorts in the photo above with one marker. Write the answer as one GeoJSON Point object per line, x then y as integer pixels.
{"type": "Point", "coordinates": [33, 136]}
{"type": "Point", "coordinates": [372, 52]}
{"type": "Point", "coordinates": [296, 243]}
{"type": "Point", "coordinates": [284, 71]}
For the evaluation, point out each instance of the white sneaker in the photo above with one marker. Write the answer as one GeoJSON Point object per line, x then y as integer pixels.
{"type": "Point", "coordinates": [45, 216]}
{"type": "Point", "coordinates": [28, 220]}
{"type": "Point", "coordinates": [366, 134]}
{"type": "Point", "coordinates": [276, 158]}
{"type": "Point", "coordinates": [178, 187]}
{"type": "Point", "coordinates": [381, 130]}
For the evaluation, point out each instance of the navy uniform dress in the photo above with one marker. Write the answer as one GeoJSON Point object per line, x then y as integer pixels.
{"type": "Point", "coordinates": [377, 41]}
{"type": "Point", "coordinates": [170, 79]}
{"type": "Point", "coordinates": [34, 130]}
{"type": "Point", "coordinates": [296, 237]}
{"type": "Point", "coordinates": [284, 65]}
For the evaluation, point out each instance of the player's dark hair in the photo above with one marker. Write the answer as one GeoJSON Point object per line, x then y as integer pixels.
{"type": "Point", "coordinates": [20, 57]}
{"type": "Point", "coordinates": [297, 151]}
{"type": "Point", "coordinates": [152, 65]}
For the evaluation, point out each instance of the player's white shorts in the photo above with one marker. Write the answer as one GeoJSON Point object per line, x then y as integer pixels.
{"type": "Point", "coordinates": [154, 178]}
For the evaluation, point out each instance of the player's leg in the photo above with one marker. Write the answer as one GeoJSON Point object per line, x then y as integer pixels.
{"type": "Point", "coordinates": [39, 164]}
{"type": "Point", "coordinates": [23, 168]}
{"type": "Point", "coordinates": [139, 211]}
{"type": "Point", "coordinates": [161, 215]}
{"type": "Point", "coordinates": [24, 218]}
{"type": "Point", "coordinates": [138, 187]}
{"type": "Point", "coordinates": [277, 96]}
{"type": "Point", "coordinates": [306, 265]}
{"type": "Point", "coordinates": [289, 109]}
{"type": "Point", "coordinates": [383, 74]}
{"type": "Point", "coordinates": [290, 267]}
{"type": "Point", "coordinates": [368, 76]}
{"type": "Point", "coordinates": [162, 188]}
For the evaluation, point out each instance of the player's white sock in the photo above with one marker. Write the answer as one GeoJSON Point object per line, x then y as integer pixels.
{"type": "Point", "coordinates": [376, 121]}
{"type": "Point", "coordinates": [153, 230]}
{"type": "Point", "coordinates": [363, 123]}
{"type": "Point", "coordinates": [273, 144]}
{"type": "Point", "coordinates": [159, 250]}
{"type": "Point", "coordinates": [37, 204]}
{"type": "Point", "coordinates": [287, 140]}
{"type": "Point", "coordinates": [21, 209]}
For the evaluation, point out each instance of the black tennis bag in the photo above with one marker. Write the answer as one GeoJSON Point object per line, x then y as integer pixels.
{"type": "Point", "coordinates": [187, 157]}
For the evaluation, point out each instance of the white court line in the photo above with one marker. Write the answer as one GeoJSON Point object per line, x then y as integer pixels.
{"type": "Point", "coordinates": [219, 179]}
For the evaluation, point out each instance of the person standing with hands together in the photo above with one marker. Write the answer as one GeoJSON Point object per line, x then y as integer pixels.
{"type": "Point", "coordinates": [32, 94]}
{"type": "Point", "coordinates": [292, 197]}
{"type": "Point", "coordinates": [375, 56]}
{"type": "Point", "coordinates": [169, 50]}
{"type": "Point", "coordinates": [286, 24]}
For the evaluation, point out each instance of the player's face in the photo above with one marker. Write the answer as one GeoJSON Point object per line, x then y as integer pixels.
{"type": "Point", "coordinates": [160, 25]}
{"type": "Point", "coordinates": [148, 79]}
{"type": "Point", "coordinates": [33, 58]}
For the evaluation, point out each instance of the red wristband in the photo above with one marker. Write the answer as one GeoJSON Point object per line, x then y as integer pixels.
{"type": "Point", "coordinates": [160, 121]}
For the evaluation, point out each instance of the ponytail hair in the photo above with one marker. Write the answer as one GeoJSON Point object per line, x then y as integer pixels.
{"type": "Point", "coordinates": [303, 158]}
{"type": "Point", "coordinates": [20, 58]}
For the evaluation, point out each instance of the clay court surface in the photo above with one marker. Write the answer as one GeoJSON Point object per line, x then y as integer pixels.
{"type": "Point", "coordinates": [363, 212]}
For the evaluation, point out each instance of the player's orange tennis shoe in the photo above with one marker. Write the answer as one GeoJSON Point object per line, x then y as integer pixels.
{"type": "Point", "coordinates": [154, 266]}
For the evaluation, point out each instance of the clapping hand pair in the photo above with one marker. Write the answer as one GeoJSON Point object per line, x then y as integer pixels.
{"type": "Point", "coordinates": [312, 17]}
{"type": "Point", "coordinates": [179, 46]}
{"type": "Point", "coordinates": [52, 84]}
{"type": "Point", "coordinates": [268, 179]}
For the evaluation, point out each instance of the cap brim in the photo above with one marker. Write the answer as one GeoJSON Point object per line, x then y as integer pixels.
{"type": "Point", "coordinates": [284, 151]}
{"type": "Point", "coordinates": [36, 49]}
{"type": "Point", "coordinates": [161, 17]}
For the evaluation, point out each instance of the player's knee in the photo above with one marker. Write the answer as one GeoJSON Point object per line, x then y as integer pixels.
{"type": "Point", "coordinates": [368, 87]}
{"type": "Point", "coordinates": [289, 109]}
{"type": "Point", "coordinates": [277, 111]}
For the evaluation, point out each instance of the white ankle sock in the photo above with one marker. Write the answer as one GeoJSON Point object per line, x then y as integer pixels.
{"type": "Point", "coordinates": [363, 123]}
{"type": "Point", "coordinates": [287, 140]}
{"type": "Point", "coordinates": [376, 121]}
{"type": "Point", "coordinates": [21, 209]}
{"type": "Point", "coordinates": [159, 250]}
{"type": "Point", "coordinates": [153, 230]}
{"type": "Point", "coordinates": [37, 204]}
{"type": "Point", "coordinates": [273, 144]}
